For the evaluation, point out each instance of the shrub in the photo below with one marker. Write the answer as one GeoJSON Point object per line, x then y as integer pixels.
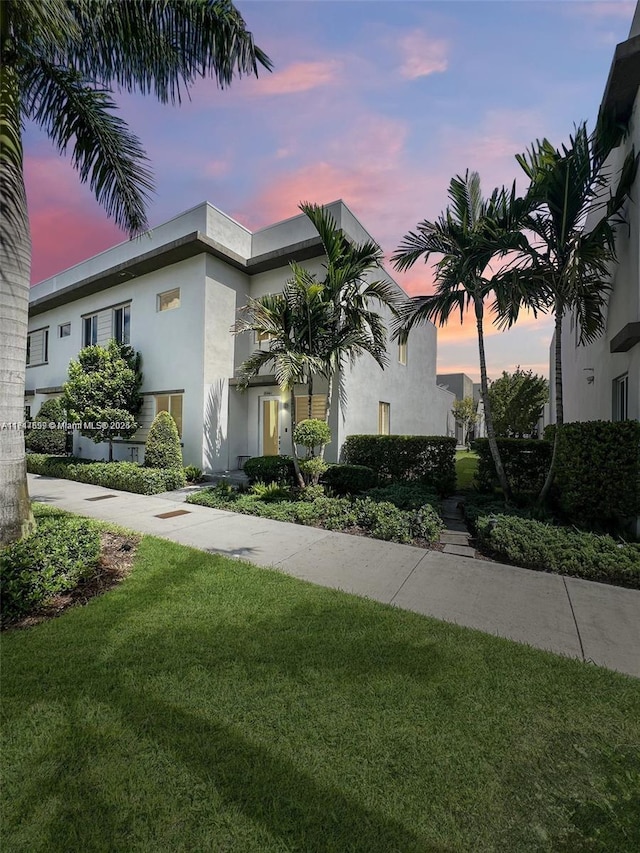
{"type": "Point", "coordinates": [60, 554]}
{"type": "Point", "coordinates": [405, 495]}
{"type": "Point", "coordinates": [312, 469]}
{"type": "Point", "coordinates": [124, 476]}
{"type": "Point", "coordinates": [192, 474]}
{"type": "Point", "coordinates": [349, 479]}
{"type": "Point", "coordinates": [598, 473]}
{"type": "Point", "coordinates": [270, 469]}
{"type": "Point", "coordinates": [162, 447]}
{"type": "Point", "coordinates": [41, 439]}
{"type": "Point", "coordinates": [478, 504]}
{"type": "Point", "coordinates": [525, 461]}
{"type": "Point", "coordinates": [312, 433]}
{"type": "Point", "coordinates": [310, 493]}
{"type": "Point", "coordinates": [425, 523]}
{"type": "Point", "coordinates": [534, 545]}
{"type": "Point", "coordinates": [270, 492]}
{"type": "Point", "coordinates": [425, 459]}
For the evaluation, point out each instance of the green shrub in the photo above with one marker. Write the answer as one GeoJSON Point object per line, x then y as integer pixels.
{"type": "Point", "coordinates": [270, 492]}
{"type": "Point", "coordinates": [425, 523]}
{"type": "Point", "coordinates": [534, 545]}
{"type": "Point", "coordinates": [42, 439]}
{"type": "Point", "coordinates": [310, 493]}
{"type": "Point", "coordinates": [525, 460]}
{"type": "Point", "coordinates": [425, 459]}
{"type": "Point", "coordinates": [312, 433]}
{"type": "Point", "coordinates": [312, 469]}
{"type": "Point", "coordinates": [598, 473]}
{"type": "Point", "coordinates": [124, 476]}
{"type": "Point", "coordinates": [61, 553]}
{"type": "Point", "coordinates": [162, 447]}
{"type": "Point", "coordinates": [349, 479]}
{"type": "Point", "coordinates": [405, 495]}
{"type": "Point", "coordinates": [477, 504]}
{"type": "Point", "coordinates": [192, 474]}
{"type": "Point", "coordinates": [270, 469]}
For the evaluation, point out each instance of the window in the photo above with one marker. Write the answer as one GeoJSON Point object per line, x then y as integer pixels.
{"type": "Point", "coordinates": [169, 300]}
{"type": "Point", "coordinates": [64, 330]}
{"type": "Point", "coordinates": [171, 403]}
{"type": "Point", "coordinates": [90, 331]}
{"type": "Point", "coordinates": [318, 407]}
{"type": "Point", "coordinates": [121, 323]}
{"type": "Point", "coordinates": [38, 347]}
{"type": "Point", "coordinates": [402, 352]}
{"type": "Point", "coordinates": [262, 337]}
{"type": "Point", "coordinates": [621, 398]}
{"type": "Point", "coordinates": [27, 413]}
{"type": "Point", "coordinates": [384, 418]}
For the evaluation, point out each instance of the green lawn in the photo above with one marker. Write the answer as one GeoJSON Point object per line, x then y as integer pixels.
{"type": "Point", "coordinates": [466, 467]}
{"type": "Point", "coordinates": [207, 705]}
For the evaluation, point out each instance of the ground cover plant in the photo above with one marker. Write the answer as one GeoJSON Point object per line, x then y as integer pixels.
{"type": "Point", "coordinates": [378, 518]}
{"type": "Point", "coordinates": [206, 704]}
{"type": "Point", "coordinates": [124, 476]}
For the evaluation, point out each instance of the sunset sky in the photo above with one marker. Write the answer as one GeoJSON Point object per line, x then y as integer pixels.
{"type": "Point", "coordinates": [376, 102]}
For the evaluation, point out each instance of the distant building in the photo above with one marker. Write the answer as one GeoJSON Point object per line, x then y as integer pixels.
{"type": "Point", "coordinates": [462, 386]}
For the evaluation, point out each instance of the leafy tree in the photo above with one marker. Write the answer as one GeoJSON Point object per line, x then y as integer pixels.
{"type": "Point", "coordinates": [470, 235]}
{"type": "Point", "coordinates": [162, 448]}
{"type": "Point", "coordinates": [46, 440]}
{"type": "Point", "coordinates": [517, 400]}
{"type": "Point", "coordinates": [312, 433]}
{"type": "Point", "coordinates": [579, 201]}
{"type": "Point", "coordinates": [104, 390]}
{"type": "Point", "coordinates": [60, 59]}
{"type": "Point", "coordinates": [464, 411]}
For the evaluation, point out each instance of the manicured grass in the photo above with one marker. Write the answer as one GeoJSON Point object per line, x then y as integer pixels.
{"type": "Point", "coordinates": [466, 468]}
{"type": "Point", "coordinates": [207, 705]}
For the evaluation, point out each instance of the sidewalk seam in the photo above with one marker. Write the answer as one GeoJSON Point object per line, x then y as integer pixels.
{"type": "Point", "coordinates": [398, 591]}
{"type": "Point", "coordinates": [573, 614]}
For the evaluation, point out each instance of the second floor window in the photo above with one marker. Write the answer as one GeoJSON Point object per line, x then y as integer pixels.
{"type": "Point", "coordinates": [121, 323]}
{"type": "Point", "coordinates": [621, 398]}
{"type": "Point", "coordinates": [38, 347]}
{"type": "Point", "coordinates": [90, 331]}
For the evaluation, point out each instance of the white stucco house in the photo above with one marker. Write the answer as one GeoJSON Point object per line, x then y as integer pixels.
{"type": "Point", "coordinates": [601, 381]}
{"type": "Point", "coordinates": [173, 294]}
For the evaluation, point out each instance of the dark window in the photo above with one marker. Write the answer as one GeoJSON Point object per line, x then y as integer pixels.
{"type": "Point", "coordinates": [28, 349]}
{"type": "Point", "coordinates": [45, 346]}
{"type": "Point", "coordinates": [90, 331]}
{"type": "Point", "coordinates": [65, 330]}
{"type": "Point", "coordinates": [621, 398]}
{"type": "Point", "coordinates": [121, 323]}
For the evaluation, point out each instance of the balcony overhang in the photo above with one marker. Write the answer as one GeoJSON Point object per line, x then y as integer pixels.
{"type": "Point", "coordinates": [626, 338]}
{"type": "Point", "coordinates": [624, 78]}
{"type": "Point", "coordinates": [255, 381]}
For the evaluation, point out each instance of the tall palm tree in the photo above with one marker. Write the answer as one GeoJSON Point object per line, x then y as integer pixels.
{"type": "Point", "coordinates": [60, 59]}
{"type": "Point", "coordinates": [569, 264]}
{"type": "Point", "coordinates": [351, 325]}
{"type": "Point", "coordinates": [470, 234]}
{"type": "Point", "coordinates": [293, 323]}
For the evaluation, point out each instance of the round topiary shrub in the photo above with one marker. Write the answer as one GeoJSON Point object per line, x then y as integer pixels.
{"type": "Point", "coordinates": [43, 439]}
{"type": "Point", "coordinates": [162, 448]}
{"type": "Point", "coordinates": [311, 433]}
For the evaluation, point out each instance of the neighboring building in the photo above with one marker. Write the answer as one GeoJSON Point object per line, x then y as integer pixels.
{"type": "Point", "coordinates": [601, 381]}
{"type": "Point", "coordinates": [462, 386]}
{"type": "Point", "coordinates": [173, 294]}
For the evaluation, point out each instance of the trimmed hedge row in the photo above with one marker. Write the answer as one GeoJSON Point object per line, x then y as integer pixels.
{"type": "Point", "coordinates": [349, 479]}
{"type": "Point", "coordinates": [270, 469]}
{"type": "Point", "coordinates": [422, 458]}
{"type": "Point", "coordinates": [124, 476]}
{"type": "Point", "coordinates": [598, 472]}
{"type": "Point", "coordinates": [534, 545]}
{"type": "Point", "coordinates": [525, 461]}
{"type": "Point", "coordinates": [62, 552]}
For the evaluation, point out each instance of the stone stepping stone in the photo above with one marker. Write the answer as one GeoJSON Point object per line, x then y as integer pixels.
{"type": "Point", "coordinates": [454, 538]}
{"type": "Point", "coordinates": [456, 527]}
{"type": "Point", "coordinates": [460, 550]}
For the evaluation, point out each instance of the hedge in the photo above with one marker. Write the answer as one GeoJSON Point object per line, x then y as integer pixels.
{"type": "Point", "coordinates": [534, 545]}
{"type": "Point", "coordinates": [526, 463]}
{"type": "Point", "coordinates": [349, 479]}
{"type": "Point", "coordinates": [62, 552]}
{"type": "Point", "coordinates": [270, 469]}
{"type": "Point", "coordinates": [43, 439]}
{"type": "Point", "coordinates": [421, 458]}
{"type": "Point", "coordinates": [124, 476]}
{"type": "Point", "coordinates": [598, 473]}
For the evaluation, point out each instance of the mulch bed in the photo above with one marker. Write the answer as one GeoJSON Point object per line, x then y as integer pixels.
{"type": "Point", "coordinates": [116, 560]}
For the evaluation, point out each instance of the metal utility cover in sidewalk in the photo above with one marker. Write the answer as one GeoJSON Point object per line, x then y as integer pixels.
{"type": "Point", "coordinates": [101, 498]}
{"type": "Point", "coordinates": [173, 513]}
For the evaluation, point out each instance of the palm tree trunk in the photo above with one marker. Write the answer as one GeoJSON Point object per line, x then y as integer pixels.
{"type": "Point", "coordinates": [294, 449]}
{"type": "Point", "coordinates": [546, 488]}
{"type": "Point", "coordinates": [328, 408]}
{"type": "Point", "coordinates": [16, 519]}
{"type": "Point", "coordinates": [310, 396]}
{"type": "Point", "coordinates": [484, 387]}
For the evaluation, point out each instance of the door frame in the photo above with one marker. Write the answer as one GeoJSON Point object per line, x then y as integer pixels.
{"type": "Point", "coordinates": [271, 398]}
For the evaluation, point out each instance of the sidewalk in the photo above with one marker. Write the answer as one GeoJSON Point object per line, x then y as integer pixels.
{"type": "Point", "coordinates": [568, 616]}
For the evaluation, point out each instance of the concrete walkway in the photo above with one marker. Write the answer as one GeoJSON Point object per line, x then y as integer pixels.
{"type": "Point", "coordinates": [568, 616]}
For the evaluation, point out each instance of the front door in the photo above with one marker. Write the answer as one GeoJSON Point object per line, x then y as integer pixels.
{"type": "Point", "coordinates": [270, 418]}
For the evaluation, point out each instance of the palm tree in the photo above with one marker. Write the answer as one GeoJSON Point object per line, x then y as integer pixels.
{"type": "Point", "coordinates": [351, 326]}
{"type": "Point", "coordinates": [60, 59]}
{"type": "Point", "coordinates": [469, 235]}
{"type": "Point", "coordinates": [568, 263]}
{"type": "Point", "coordinates": [292, 322]}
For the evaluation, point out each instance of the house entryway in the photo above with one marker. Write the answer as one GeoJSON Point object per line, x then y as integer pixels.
{"type": "Point", "coordinates": [270, 426]}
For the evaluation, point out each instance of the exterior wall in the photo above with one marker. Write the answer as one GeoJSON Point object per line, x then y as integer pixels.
{"type": "Point", "coordinates": [589, 371]}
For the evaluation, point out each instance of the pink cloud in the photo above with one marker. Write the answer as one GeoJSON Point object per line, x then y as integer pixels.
{"type": "Point", "coordinates": [422, 55]}
{"type": "Point", "coordinates": [296, 78]}
{"type": "Point", "coordinates": [217, 168]}
{"type": "Point", "coordinates": [607, 9]}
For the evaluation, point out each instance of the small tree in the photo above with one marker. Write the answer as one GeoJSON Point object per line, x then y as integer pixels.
{"type": "Point", "coordinates": [162, 448]}
{"type": "Point", "coordinates": [312, 433]}
{"type": "Point", "coordinates": [103, 392]}
{"type": "Point", "coordinates": [464, 411]}
{"type": "Point", "coordinates": [47, 439]}
{"type": "Point", "coordinates": [517, 400]}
